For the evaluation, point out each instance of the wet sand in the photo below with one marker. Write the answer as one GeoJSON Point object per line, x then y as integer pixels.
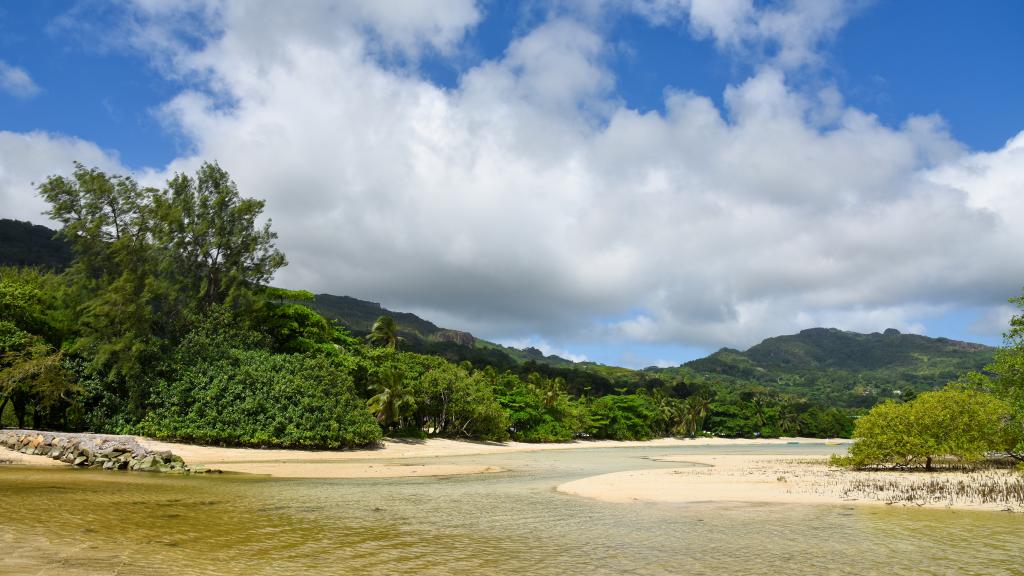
{"type": "Point", "coordinates": [361, 463]}
{"type": "Point", "coordinates": [793, 480]}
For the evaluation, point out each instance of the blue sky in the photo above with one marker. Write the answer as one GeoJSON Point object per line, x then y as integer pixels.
{"type": "Point", "coordinates": [126, 87]}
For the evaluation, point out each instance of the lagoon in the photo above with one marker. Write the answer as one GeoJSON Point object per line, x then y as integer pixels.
{"type": "Point", "coordinates": [69, 521]}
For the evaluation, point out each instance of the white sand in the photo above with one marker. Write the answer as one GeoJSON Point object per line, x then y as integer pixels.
{"type": "Point", "coordinates": [340, 464]}
{"type": "Point", "coordinates": [776, 479]}
{"type": "Point", "coordinates": [8, 456]}
{"type": "Point", "coordinates": [359, 463]}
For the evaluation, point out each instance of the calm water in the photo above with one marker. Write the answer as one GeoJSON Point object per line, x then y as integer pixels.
{"type": "Point", "coordinates": [66, 521]}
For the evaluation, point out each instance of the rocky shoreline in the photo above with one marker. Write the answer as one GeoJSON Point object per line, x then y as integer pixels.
{"type": "Point", "coordinates": [100, 451]}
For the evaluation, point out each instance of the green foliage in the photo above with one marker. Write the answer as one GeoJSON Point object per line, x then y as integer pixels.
{"type": "Point", "coordinates": [452, 401]}
{"type": "Point", "coordinates": [538, 410]}
{"type": "Point", "coordinates": [33, 374]}
{"type": "Point", "coordinates": [844, 369]}
{"type": "Point", "coordinates": [148, 261]}
{"type": "Point", "coordinates": [393, 399]}
{"type": "Point", "coordinates": [1004, 377]}
{"type": "Point", "coordinates": [25, 244]}
{"type": "Point", "coordinates": [385, 333]}
{"type": "Point", "coordinates": [258, 398]}
{"type": "Point", "coordinates": [614, 417]}
{"type": "Point", "coordinates": [215, 249]}
{"type": "Point", "coordinates": [961, 424]}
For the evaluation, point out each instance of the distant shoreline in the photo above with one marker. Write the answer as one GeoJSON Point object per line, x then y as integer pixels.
{"type": "Point", "coordinates": [365, 463]}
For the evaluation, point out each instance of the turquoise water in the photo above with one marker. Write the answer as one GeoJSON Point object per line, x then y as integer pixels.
{"type": "Point", "coordinates": [66, 521]}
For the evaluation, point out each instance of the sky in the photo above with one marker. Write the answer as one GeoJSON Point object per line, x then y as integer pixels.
{"type": "Point", "coordinates": [632, 182]}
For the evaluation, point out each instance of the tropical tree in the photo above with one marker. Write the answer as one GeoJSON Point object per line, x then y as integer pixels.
{"type": "Point", "coordinates": [695, 414]}
{"type": "Point", "coordinates": [392, 399]}
{"type": "Point", "coordinates": [962, 424]}
{"type": "Point", "coordinates": [385, 333]}
{"type": "Point", "coordinates": [33, 322]}
{"type": "Point", "coordinates": [149, 262]}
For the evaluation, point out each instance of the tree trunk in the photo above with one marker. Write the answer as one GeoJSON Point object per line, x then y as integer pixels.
{"type": "Point", "coordinates": [928, 464]}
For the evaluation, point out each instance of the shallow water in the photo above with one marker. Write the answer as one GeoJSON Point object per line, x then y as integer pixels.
{"type": "Point", "coordinates": [67, 521]}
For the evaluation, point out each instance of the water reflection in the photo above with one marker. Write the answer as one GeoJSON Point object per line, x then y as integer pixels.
{"type": "Point", "coordinates": [67, 521]}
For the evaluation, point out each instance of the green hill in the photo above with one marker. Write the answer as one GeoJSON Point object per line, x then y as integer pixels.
{"type": "Point", "coordinates": [426, 337]}
{"type": "Point", "coordinates": [27, 244]}
{"type": "Point", "coordinates": [846, 368]}
{"type": "Point", "coordinates": [827, 365]}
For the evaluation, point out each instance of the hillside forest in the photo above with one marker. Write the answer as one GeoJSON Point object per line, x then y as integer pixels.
{"type": "Point", "coordinates": [151, 312]}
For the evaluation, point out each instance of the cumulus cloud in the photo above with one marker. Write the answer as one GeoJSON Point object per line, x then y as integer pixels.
{"type": "Point", "coordinates": [16, 82]}
{"type": "Point", "coordinates": [544, 346]}
{"type": "Point", "coordinates": [528, 199]}
{"type": "Point", "coordinates": [788, 33]}
{"type": "Point", "coordinates": [26, 159]}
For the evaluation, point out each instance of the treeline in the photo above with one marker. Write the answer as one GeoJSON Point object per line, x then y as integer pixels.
{"type": "Point", "coordinates": [164, 325]}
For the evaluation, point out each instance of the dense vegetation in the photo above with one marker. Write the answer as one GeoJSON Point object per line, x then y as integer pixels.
{"type": "Point", "coordinates": [980, 417]}
{"type": "Point", "coordinates": [163, 323]}
{"type": "Point", "coordinates": [841, 368]}
{"type": "Point", "coordinates": [27, 244]}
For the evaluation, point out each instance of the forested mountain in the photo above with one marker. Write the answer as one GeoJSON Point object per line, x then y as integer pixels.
{"type": "Point", "coordinates": [27, 244]}
{"type": "Point", "coordinates": [426, 337]}
{"type": "Point", "coordinates": [846, 368]}
{"type": "Point", "coordinates": [827, 365]}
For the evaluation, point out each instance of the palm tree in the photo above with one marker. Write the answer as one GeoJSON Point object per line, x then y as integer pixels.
{"type": "Point", "coordinates": [698, 407]}
{"type": "Point", "coordinates": [761, 404]}
{"type": "Point", "coordinates": [385, 333]}
{"type": "Point", "coordinates": [789, 420]}
{"type": "Point", "coordinates": [552, 391]}
{"type": "Point", "coordinates": [667, 408]}
{"type": "Point", "coordinates": [392, 401]}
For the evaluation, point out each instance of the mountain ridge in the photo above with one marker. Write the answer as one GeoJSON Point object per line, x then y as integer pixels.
{"type": "Point", "coordinates": [834, 366]}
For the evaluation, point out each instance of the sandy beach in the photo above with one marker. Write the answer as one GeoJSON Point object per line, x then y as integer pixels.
{"type": "Point", "coordinates": [760, 478]}
{"type": "Point", "coordinates": [799, 480]}
{"type": "Point", "coordinates": [385, 460]}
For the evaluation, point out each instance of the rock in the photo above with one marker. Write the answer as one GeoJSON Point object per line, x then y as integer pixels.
{"type": "Point", "coordinates": [150, 463]}
{"type": "Point", "coordinates": [108, 465]}
{"type": "Point", "coordinates": [79, 461]}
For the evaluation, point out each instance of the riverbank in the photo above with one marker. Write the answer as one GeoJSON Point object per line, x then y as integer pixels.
{"type": "Point", "coordinates": [376, 462]}
{"type": "Point", "coordinates": [801, 480]}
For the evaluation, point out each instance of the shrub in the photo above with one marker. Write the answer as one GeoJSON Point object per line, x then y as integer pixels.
{"type": "Point", "coordinates": [257, 398]}
{"type": "Point", "coordinates": [964, 425]}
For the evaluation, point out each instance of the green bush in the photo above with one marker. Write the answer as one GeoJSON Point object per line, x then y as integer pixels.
{"type": "Point", "coordinates": [965, 425]}
{"type": "Point", "coordinates": [630, 417]}
{"type": "Point", "coordinates": [257, 398]}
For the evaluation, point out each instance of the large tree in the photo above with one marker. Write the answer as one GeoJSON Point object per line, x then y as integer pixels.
{"type": "Point", "coordinates": [1005, 376]}
{"type": "Point", "coordinates": [955, 423]}
{"type": "Point", "coordinates": [148, 262]}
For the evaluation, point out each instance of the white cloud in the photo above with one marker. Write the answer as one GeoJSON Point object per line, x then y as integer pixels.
{"type": "Point", "coordinates": [528, 199]}
{"type": "Point", "coordinates": [16, 82]}
{"type": "Point", "coordinates": [789, 32]}
{"type": "Point", "coordinates": [545, 347]}
{"type": "Point", "coordinates": [994, 321]}
{"type": "Point", "coordinates": [26, 159]}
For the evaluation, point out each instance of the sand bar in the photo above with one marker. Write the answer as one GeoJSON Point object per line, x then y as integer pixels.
{"type": "Point", "coordinates": [361, 463]}
{"type": "Point", "coordinates": [788, 480]}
